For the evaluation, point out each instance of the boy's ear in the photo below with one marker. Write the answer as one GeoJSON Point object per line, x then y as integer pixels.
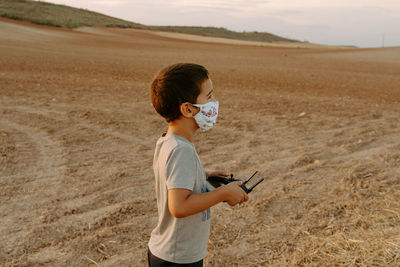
{"type": "Point", "coordinates": [188, 110]}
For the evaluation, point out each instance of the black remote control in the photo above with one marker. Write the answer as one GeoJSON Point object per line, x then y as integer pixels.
{"type": "Point", "coordinates": [217, 181]}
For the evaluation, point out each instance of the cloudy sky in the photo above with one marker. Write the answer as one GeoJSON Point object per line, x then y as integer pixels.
{"type": "Point", "coordinates": [363, 23]}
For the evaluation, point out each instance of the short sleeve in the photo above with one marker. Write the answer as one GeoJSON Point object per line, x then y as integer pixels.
{"type": "Point", "coordinates": [181, 168]}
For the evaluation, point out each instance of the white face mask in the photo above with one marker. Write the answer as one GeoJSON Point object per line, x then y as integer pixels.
{"type": "Point", "coordinates": [207, 116]}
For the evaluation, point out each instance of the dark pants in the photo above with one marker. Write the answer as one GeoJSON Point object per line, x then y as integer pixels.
{"type": "Point", "coordinates": [155, 262]}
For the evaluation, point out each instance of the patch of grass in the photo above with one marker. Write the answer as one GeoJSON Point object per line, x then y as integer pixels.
{"type": "Point", "coordinates": [224, 33]}
{"type": "Point", "coordinates": [11, 16]}
{"type": "Point", "coordinates": [59, 15]}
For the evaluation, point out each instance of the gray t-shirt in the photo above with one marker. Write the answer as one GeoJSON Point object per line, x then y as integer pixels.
{"type": "Point", "coordinates": [177, 165]}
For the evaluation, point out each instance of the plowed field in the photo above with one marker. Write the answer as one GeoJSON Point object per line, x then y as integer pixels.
{"type": "Point", "coordinates": [77, 134]}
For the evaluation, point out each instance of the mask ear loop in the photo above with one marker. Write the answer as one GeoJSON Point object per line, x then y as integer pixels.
{"type": "Point", "coordinates": [193, 105]}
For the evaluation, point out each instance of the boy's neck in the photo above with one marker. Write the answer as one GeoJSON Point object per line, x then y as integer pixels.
{"type": "Point", "coordinates": [183, 128]}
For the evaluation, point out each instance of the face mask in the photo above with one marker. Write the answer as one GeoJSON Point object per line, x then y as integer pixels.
{"type": "Point", "coordinates": [207, 116]}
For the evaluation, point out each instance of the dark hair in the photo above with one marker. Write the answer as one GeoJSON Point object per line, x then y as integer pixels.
{"type": "Point", "coordinates": [174, 85]}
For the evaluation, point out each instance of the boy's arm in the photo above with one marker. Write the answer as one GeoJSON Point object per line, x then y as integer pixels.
{"type": "Point", "coordinates": [182, 203]}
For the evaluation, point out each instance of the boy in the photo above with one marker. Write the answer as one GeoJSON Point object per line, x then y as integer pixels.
{"type": "Point", "coordinates": [183, 95]}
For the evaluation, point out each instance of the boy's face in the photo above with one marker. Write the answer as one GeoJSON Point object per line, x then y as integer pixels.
{"type": "Point", "coordinates": [206, 92]}
{"type": "Point", "coordinates": [206, 95]}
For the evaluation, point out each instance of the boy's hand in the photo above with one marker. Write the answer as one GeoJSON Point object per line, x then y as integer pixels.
{"type": "Point", "coordinates": [234, 193]}
{"type": "Point", "coordinates": [182, 202]}
{"type": "Point", "coordinates": [216, 173]}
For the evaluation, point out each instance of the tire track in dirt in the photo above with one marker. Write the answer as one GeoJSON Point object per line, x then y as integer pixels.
{"type": "Point", "coordinates": [76, 125]}
{"type": "Point", "coordinates": [356, 140]}
{"type": "Point", "coordinates": [71, 218]}
{"type": "Point", "coordinates": [49, 168]}
{"type": "Point", "coordinates": [300, 179]}
{"type": "Point", "coordinates": [47, 173]}
{"type": "Point", "coordinates": [290, 143]}
{"type": "Point", "coordinates": [79, 123]}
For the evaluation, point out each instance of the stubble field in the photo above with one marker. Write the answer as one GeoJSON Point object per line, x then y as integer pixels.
{"type": "Point", "coordinates": [77, 133]}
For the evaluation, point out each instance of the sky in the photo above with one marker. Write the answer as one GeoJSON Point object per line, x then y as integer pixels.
{"type": "Point", "coordinates": [362, 23]}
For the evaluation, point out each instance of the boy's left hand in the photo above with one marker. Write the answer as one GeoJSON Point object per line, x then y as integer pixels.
{"type": "Point", "coordinates": [216, 173]}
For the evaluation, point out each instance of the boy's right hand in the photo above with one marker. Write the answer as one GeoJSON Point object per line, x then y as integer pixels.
{"type": "Point", "coordinates": [234, 193]}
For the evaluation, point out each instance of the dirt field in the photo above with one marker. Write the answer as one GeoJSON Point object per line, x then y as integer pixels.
{"type": "Point", "coordinates": [77, 133]}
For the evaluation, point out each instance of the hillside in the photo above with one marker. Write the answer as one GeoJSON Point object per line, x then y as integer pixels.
{"type": "Point", "coordinates": [69, 17]}
{"type": "Point", "coordinates": [224, 33]}
{"type": "Point", "coordinates": [59, 15]}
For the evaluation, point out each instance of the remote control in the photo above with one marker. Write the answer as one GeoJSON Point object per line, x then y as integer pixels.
{"type": "Point", "coordinates": [217, 181]}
